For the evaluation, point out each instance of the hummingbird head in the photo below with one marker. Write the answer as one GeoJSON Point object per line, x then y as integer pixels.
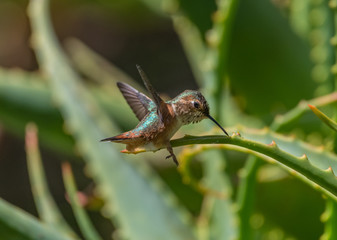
{"type": "Point", "coordinates": [191, 107]}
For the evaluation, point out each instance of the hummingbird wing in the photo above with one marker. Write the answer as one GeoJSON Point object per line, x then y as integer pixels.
{"type": "Point", "coordinates": [139, 102]}
{"type": "Point", "coordinates": [162, 109]}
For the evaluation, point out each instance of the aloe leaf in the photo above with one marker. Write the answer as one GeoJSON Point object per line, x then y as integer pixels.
{"type": "Point", "coordinates": [328, 121]}
{"type": "Point", "coordinates": [222, 220]}
{"type": "Point", "coordinates": [313, 163]}
{"type": "Point", "coordinates": [135, 197]}
{"type": "Point", "coordinates": [161, 6]}
{"type": "Point", "coordinates": [329, 217]}
{"type": "Point", "coordinates": [47, 208]}
{"type": "Point", "coordinates": [194, 47]}
{"type": "Point", "coordinates": [246, 196]}
{"type": "Point", "coordinates": [191, 23]}
{"type": "Point", "coordinates": [218, 213]}
{"type": "Point", "coordinates": [18, 86]}
{"type": "Point", "coordinates": [25, 97]}
{"type": "Point", "coordinates": [17, 224]}
{"type": "Point", "coordinates": [283, 120]}
{"type": "Point", "coordinates": [321, 32]}
{"type": "Point", "coordinates": [219, 40]}
{"type": "Point", "coordinates": [82, 218]}
{"type": "Point", "coordinates": [199, 13]}
{"type": "Point", "coordinates": [96, 67]}
{"type": "Point", "coordinates": [221, 217]}
{"type": "Point", "coordinates": [299, 17]}
{"type": "Point", "coordinates": [217, 219]}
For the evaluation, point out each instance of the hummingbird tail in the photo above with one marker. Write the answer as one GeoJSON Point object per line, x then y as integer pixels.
{"type": "Point", "coordinates": [118, 138]}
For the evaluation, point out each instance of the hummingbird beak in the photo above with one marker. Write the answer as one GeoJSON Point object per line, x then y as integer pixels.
{"type": "Point", "coordinates": [209, 116]}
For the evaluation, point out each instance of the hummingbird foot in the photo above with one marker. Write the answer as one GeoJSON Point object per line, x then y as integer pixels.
{"type": "Point", "coordinates": [174, 158]}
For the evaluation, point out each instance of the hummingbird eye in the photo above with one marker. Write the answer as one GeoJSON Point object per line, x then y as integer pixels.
{"type": "Point", "coordinates": [196, 104]}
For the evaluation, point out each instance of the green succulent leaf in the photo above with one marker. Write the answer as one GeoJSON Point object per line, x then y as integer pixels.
{"type": "Point", "coordinates": [25, 97]}
{"type": "Point", "coordinates": [329, 217]}
{"type": "Point", "coordinates": [313, 163]}
{"type": "Point", "coordinates": [96, 67]}
{"type": "Point", "coordinates": [82, 218]}
{"type": "Point", "coordinates": [328, 121]}
{"type": "Point", "coordinates": [222, 220]}
{"type": "Point", "coordinates": [44, 201]}
{"type": "Point", "coordinates": [194, 47]}
{"type": "Point", "coordinates": [219, 40]}
{"type": "Point", "coordinates": [246, 196]}
{"type": "Point", "coordinates": [17, 224]}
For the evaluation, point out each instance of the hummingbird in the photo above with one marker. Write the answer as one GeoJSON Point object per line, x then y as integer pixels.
{"type": "Point", "coordinates": [159, 120]}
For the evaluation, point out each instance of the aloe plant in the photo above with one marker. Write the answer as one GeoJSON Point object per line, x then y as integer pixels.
{"type": "Point", "coordinates": [137, 201]}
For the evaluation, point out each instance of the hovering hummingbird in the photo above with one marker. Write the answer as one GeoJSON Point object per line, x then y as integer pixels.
{"type": "Point", "coordinates": [159, 120]}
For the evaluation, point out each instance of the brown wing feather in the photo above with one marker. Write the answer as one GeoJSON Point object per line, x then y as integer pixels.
{"type": "Point", "coordinates": [139, 103]}
{"type": "Point", "coordinates": [162, 109]}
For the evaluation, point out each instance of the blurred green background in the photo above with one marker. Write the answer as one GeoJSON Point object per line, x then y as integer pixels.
{"type": "Point", "coordinates": [272, 66]}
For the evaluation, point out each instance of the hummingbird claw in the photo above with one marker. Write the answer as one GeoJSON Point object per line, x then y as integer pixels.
{"type": "Point", "coordinates": [174, 158]}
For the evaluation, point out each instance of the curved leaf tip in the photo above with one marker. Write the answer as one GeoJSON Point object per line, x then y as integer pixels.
{"type": "Point", "coordinates": [328, 121]}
